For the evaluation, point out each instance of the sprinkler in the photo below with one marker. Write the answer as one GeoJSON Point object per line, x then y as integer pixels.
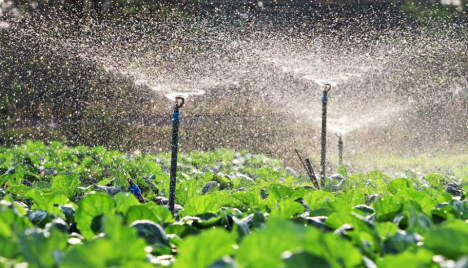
{"type": "Point", "coordinates": [308, 167]}
{"type": "Point", "coordinates": [175, 140]}
{"type": "Point", "coordinates": [311, 171]}
{"type": "Point", "coordinates": [324, 133]}
{"type": "Point", "coordinates": [134, 189]}
{"type": "Point", "coordinates": [340, 148]}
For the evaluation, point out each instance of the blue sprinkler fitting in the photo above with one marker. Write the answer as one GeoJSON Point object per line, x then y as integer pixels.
{"type": "Point", "coordinates": [325, 98]}
{"type": "Point", "coordinates": [135, 190]}
{"type": "Point", "coordinates": [176, 117]}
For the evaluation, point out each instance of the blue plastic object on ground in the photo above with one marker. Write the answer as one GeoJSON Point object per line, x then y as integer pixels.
{"type": "Point", "coordinates": [135, 190]}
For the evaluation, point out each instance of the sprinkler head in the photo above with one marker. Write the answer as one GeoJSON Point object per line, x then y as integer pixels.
{"type": "Point", "coordinates": [327, 88]}
{"type": "Point", "coordinates": [179, 102]}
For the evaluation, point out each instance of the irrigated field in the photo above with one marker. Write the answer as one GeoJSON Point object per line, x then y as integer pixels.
{"type": "Point", "coordinates": [70, 207]}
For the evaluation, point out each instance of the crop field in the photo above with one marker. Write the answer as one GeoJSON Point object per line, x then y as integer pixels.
{"type": "Point", "coordinates": [71, 207]}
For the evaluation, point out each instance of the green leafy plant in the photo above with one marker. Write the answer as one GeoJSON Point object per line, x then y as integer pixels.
{"type": "Point", "coordinates": [271, 221]}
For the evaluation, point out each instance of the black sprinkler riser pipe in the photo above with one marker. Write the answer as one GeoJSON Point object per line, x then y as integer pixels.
{"type": "Point", "coordinates": [175, 150]}
{"type": "Point", "coordinates": [324, 135]}
{"type": "Point", "coordinates": [340, 151]}
{"type": "Point", "coordinates": [312, 173]}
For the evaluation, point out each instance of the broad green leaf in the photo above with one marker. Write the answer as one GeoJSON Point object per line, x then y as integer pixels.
{"type": "Point", "coordinates": [11, 220]}
{"type": "Point", "coordinates": [179, 229]}
{"type": "Point", "coordinates": [363, 230]}
{"type": "Point", "coordinates": [124, 201]}
{"type": "Point", "coordinates": [286, 209]}
{"type": "Point", "coordinates": [375, 179]}
{"type": "Point", "coordinates": [319, 199]}
{"type": "Point", "coordinates": [271, 240]}
{"type": "Point", "coordinates": [138, 212]}
{"type": "Point", "coordinates": [363, 210]}
{"type": "Point", "coordinates": [6, 178]}
{"type": "Point", "coordinates": [349, 199]}
{"type": "Point", "coordinates": [341, 251]}
{"type": "Point", "coordinates": [38, 217]}
{"type": "Point", "coordinates": [240, 227]}
{"type": "Point", "coordinates": [247, 200]}
{"type": "Point", "coordinates": [17, 188]}
{"type": "Point", "coordinates": [266, 173]}
{"type": "Point", "coordinates": [66, 184]}
{"type": "Point", "coordinates": [104, 253]}
{"type": "Point", "coordinates": [386, 208]}
{"type": "Point", "coordinates": [326, 211]}
{"type": "Point", "coordinates": [456, 224]}
{"type": "Point", "coordinates": [340, 218]}
{"type": "Point", "coordinates": [188, 189]}
{"type": "Point", "coordinates": [38, 247]}
{"type": "Point", "coordinates": [442, 212]}
{"type": "Point", "coordinates": [201, 205]}
{"type": "Point", "coordinates": [203, 250]}
{"type": "Point", "coordinates": [460, 209]}
{"type": "Point", "coordinates": [386, 229]}
{"type": "Point", "coordinates": [48, 202]}
{"type": "Point", "coordinates": [280, 192]}
{"type": "Point", "coordinates": [91, 206]}
{"type": "Point", "coordinates": [401, 241]}
{"type": "Point", "coordinates": [124, 238]}
{"type": "Point", "coordinates": [69, 211]}
{"type": "Point", "coordinates": [162, 213]}
{"type": "Point", "coordinates": [151, 232]}
{"type": "Point", "coordinates": [436, 180]}
{"type": "Point", "coordinates": [437, 195]}
{"type": "Point", "coordinates": [448, 242]}
{"type": "Point", "coordinates": [422, 258]}
{"type": "Point", "coordinates": [151, 168]}
{"type": "Point", "coordinates": [242, 182]}
{"type": "Point", "coordinates": [304, 259]}
{"type": "Point", "coordinates": [342, 171]}
{"type": "Point", "coordinates": [426, 203]}
{"type": "Point", "coordinates": [398, 184]}
{"type": "Point", "coordinates": [9, 247]}
{"type": "Point", "coordinates": [417, 221]}
{"type": "Point", "coordinates": [11, 224]}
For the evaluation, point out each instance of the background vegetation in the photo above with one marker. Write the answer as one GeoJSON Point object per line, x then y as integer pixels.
{"type": "Point", "coordinates": [49, 92]}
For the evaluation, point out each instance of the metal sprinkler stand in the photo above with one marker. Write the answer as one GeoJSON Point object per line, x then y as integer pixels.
{"type": "Point", "coordinates": [340, 148]}
{"type": "Point", "coordinates": [308, 167]}
{"type": "Point", "coordinates": [175, 148]}
{"type": "Point", "coordinates": [324, 134]}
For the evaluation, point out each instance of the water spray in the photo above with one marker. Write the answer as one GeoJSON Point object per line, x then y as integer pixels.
{"type": "Point", "coordinates": [175, 147]}
{"type": "Point", "coordinates": [340, 148]}
{"type": "Point", "coordinates": [324, 133]}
